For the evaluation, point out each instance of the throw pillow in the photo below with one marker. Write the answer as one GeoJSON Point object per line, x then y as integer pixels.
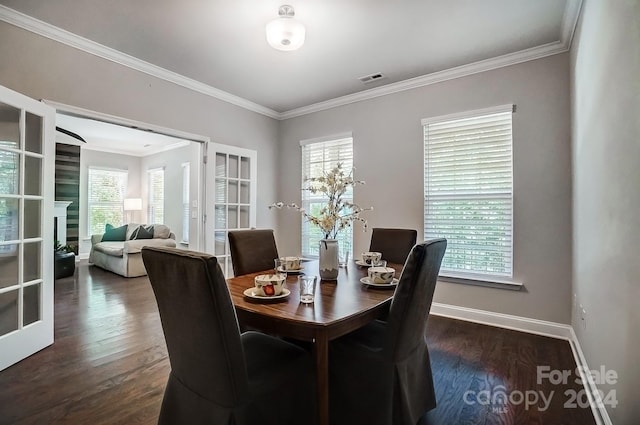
{"type": "Point", "coordinates": [114, 234]}
{"type": "Point", "coordinates": [143, 232]}
{"type": "Point", "coordinates": [132, 227]}
{"type": "Point", "coordinates": [160, 231]}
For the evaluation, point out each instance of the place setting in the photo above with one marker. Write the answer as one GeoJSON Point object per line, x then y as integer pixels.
{"type": "Point", "coordinates": [289, 265]}
{"type": "Point", "coordinates": [268, 287]}
{"type": "Point", "coordinates": [369, 257]}
{"type": "Point", "coordinates": [272, 287]}
{"type": "Point", "coordinates": [378, 274]}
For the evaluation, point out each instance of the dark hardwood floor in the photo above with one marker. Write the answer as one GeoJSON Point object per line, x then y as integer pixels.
{"type": "Point", "coordinates": [109, 365]}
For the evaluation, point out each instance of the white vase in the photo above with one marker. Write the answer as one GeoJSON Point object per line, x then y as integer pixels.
{"type": "Point", "coordinates": [329, 259]}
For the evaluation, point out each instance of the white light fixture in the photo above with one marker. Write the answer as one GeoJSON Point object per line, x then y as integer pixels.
{"type": "Point", "coordinates": [285, 33]}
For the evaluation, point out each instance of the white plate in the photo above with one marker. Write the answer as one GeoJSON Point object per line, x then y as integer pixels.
{"type": "Point", "coordinates": [393, 283]}
{"type": "Point", "coordinates": [294, 271]}
{"type": "Point", "coordinates": [363, 263]}
{"type": "Point", "coordinates": [252, 293]}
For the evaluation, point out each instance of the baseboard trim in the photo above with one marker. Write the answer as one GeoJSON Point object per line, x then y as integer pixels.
{"type": "Point", "coordinates": [501, 320]}
{"type": "Point", "coordinates": [538, 327]}
{"type": "Point", "coordinates": [84, 256]}
{"type": "Point", "coordinates": [600, 413]}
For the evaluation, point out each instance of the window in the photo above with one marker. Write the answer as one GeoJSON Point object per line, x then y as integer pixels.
{"type": "Point", "coordinates": [9, 163]}
{"type": "Point", "coordinates": [156, 196]}
{"type": "Point", "coordinates": [468, 191]}
{"type": "Point", "coordinates": [106, 192]}
{"type": "Point", "coordinates": [319, 156]}
{"type": "Point", "coordinates": [186, 170]}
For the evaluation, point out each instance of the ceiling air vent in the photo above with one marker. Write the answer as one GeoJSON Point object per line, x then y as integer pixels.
{"type": "Point", "coordinates": [372, 78]}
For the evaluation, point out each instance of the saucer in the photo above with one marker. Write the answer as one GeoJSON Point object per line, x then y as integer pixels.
{"type": "Point", "coordinates": [367, 282]}
{"type": "Point", "coordinates": [363, 263]}
{"type": "Point", "coordinates": [252, 293]}
{"type": "Point", "coordinates": [293, 271]}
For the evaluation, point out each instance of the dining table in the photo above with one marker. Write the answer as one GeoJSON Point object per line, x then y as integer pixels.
{"type": "Point", "coordinates": [340, 306]}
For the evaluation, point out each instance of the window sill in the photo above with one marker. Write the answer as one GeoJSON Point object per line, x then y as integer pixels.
{"type": "Point", "coordinates": [482, 281]}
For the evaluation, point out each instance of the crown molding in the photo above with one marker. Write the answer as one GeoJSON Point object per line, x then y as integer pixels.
{"type": "Point", "coordinates": [433, 78]}
{"type": "Point", "coordinates": [569, 21]}
{"type": "Point", "coordinates": [52, 32]}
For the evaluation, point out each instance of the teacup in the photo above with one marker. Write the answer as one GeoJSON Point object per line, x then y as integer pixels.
{"type": "Point", "coordinates": [381, 274]}
{"type": "Point", "coordinates": [290, 263]}
{"type": "Point", "coordinates": [369, 256]}
{"type": "Point", "coordinates": [378, 263]}
{"type": "Point", "coordinates": [269, 285]}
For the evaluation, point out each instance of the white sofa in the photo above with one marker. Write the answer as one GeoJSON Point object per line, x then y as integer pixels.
{"type": "Point", "coordinates": [125, 257]}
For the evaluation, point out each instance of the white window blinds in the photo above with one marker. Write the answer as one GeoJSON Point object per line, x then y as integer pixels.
{"type": "Point", "coordinates": [468, 191]}
{"type": "Point", "coordinates": [317, 158]}
{"type": "Point", "coordinates": [106, 191]}
{"type": "Point", "coordinates": [156, 196]}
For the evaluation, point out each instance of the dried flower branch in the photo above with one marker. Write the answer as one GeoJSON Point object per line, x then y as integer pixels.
{"type": "Point", "coordinates": [338, 213]}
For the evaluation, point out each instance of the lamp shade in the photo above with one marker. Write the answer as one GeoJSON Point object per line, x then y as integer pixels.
{"type": "Point", "coordinates": [285, 33]}
{"type": "Point", "coordinates": [132, 204]}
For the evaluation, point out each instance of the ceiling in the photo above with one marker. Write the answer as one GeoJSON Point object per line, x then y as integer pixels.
{"type": "Point", "coordinates": [220, 45]}
{"type": "Point", "coordinates": [105, 137]}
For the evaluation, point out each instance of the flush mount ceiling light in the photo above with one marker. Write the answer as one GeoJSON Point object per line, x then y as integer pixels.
{"type": "Point", "coordinates": [285, 33]}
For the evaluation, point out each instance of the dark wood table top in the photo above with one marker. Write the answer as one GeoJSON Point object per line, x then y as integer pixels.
{"type": "Point", "coordinates": [335, 301]}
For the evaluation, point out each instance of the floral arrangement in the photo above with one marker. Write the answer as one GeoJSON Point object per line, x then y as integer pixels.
{"type": "Point", "coordinates": [338, 213]}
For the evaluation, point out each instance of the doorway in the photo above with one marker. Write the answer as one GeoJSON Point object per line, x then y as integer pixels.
{"type": "Point", "coordinates": [159, 174]}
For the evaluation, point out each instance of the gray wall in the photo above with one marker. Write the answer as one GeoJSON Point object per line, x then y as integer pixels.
{"type": "Point", "coordinates": [172, 162]}
{"type": "Point", "coordinates": [388, 149]}
{"type": "Point", "coordinates": [605, 75]}
{"type": "Point", "coordinates": [44, 69]}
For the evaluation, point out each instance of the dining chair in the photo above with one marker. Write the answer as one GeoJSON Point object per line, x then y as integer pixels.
{"type": "Point", "coordinates": [252, 250]}
{"type": "Point", "coordinates": [381, 374]}
{"type": "Point", "coordinates": [394, 244]}
{"type": "Point", "coordinates": [219, 376]}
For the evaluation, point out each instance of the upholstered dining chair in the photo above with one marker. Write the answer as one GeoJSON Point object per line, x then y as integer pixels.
{"type": "Point", "coordinates": [219, 376]}
{"type": "Point", "coordinates": [252, 250]}
{"type": "Point", "coordinates": [381, 374]}
{"type": "Point", "coordinates": [394, 244]}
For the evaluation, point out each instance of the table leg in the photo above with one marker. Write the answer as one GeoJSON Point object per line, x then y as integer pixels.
{"type": "Point", "coordinates": [321, 354]}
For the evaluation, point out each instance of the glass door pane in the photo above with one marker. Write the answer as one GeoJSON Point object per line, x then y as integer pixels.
{"type": "Point", "coordinates": [232, 198]}
{"type": "Point", "coordinates": [8, 312]}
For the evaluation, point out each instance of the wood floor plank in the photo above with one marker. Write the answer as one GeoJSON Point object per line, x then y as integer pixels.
{"type": "Point", "coordinates": [109, 364]}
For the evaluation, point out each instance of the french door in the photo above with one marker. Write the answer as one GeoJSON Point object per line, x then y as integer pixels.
{"type": "Point", "coordinates": [26, 226]}
{"type": "Point", "coordinates": [231, 198]}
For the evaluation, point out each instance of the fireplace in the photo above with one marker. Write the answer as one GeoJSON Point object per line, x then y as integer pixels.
{"type": "Point", "coordinates": [60, 221]}
{"type": "Point", "coordinates": [64, 262]}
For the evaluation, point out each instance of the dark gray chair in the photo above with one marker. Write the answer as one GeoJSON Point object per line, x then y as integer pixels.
{"type": "Point", "coordinates": [252, 250]}
{"type": "Point", "coordinates": [381, 374]}
{"type": "Point", "coordinates": [394, 244]}
{"type": "Point", "coordinates": [217, 375]}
